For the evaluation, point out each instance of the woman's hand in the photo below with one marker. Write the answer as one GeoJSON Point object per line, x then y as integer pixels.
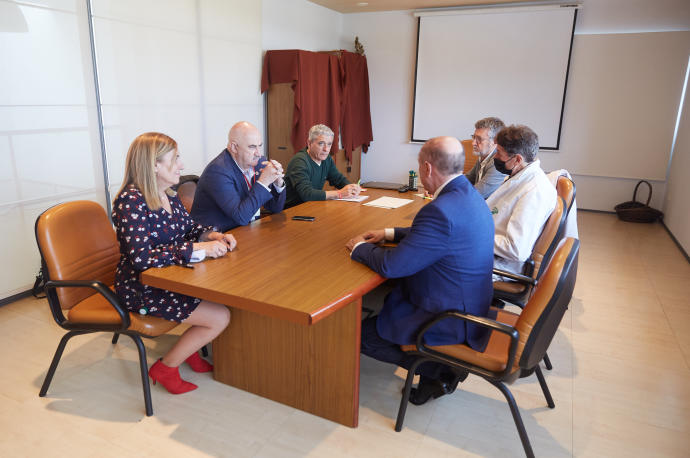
{"type": "Point", "coordinates": [227, 239]}
{"type": "Point", "coordinates": [213, 249]}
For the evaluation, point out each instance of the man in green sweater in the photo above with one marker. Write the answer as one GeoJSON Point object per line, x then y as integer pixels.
{"type": "Point", "coordinates": [309, 169]}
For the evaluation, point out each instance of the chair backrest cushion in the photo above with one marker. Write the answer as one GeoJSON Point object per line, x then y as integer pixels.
{"type": "Point", "coordinates": [470, 157]}
{"type": "Point", "coordinates": [548, 239]}
{"type": "Point", "coordinates": [186, 189]}
{"type": "Point", "coordinates": [543, 312]}
{"type": "Point", "coordinates": [566, 190]}
{"type": "Point", "coordinates": [77, 242]}
{"type": "Point", "coordinates": [186, 192]}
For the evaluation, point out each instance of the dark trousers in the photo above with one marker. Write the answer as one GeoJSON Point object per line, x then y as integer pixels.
{"type": "Point", "coordinates": [377, 347]}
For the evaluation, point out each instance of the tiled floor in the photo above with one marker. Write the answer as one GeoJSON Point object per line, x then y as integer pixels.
{"type": "Point", "coordinates": [621, 383]}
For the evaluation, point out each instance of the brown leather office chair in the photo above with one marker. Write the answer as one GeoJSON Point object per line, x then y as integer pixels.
{"type": "Point", "coordinates": [186, 189]}
{"type": "Point", "coordinates": [517, 342]}
{"type": "Point", "coordinates": [470, 158]}
{"type": "Point", "coordinates": [566, 190]}
{"type": "Point", "coordinates": [516, 292]}
{"type": "Point", "coordinates": [79, 254]}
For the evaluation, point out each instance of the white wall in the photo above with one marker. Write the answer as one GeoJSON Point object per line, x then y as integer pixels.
{"type": "Point", "coordinates": [187, 68]}
{"type": "Point", "coordinates": [299, 24]}
{"type": "Point", "coordinates": [620, 111]}
{"type": "Point", "coordinates": [677, 204]}
{"type": "Point", "coordinates": [389, 40]}
{"type": "Point", "coordinates": [633, 16]}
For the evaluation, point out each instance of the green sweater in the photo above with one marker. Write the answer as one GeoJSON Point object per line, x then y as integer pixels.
{"type": "Point", "coordinates": [304, 179]}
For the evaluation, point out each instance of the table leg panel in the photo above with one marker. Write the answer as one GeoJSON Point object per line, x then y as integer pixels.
{"type": "Point", "coordinates": [313, 368]}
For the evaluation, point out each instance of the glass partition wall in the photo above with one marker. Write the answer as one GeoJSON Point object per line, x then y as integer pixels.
{"type": "Point", "coordinates": [188, 68]}
{"type": "Point", "coordinates": [49, 142]}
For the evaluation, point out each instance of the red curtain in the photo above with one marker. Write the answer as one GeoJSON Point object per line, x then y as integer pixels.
{"type": "Point", "coordinates": [327, 90]}
{"type": "Point", "coordinates": [356, 113]}
{"type": "Point", "coordinates": [315, 79]}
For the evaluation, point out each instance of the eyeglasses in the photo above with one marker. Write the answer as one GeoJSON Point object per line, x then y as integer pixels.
{"type": "Point", "coordinates": [478, 139]}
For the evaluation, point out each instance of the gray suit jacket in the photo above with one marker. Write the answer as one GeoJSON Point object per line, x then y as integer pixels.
{"type": "Point", "coordinates": [491, 178]}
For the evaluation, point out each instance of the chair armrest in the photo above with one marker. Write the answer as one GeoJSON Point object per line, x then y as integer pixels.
{"type": "Point", "coordinates": [517, 277]}
{"type": "Point", "coordinates": [487, 323]}
{"type": "Point", "coordinates": [528, 267]}
{"type": "Point", "coordinates": [100, 288]}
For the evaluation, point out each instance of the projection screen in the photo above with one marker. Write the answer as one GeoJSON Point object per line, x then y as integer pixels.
{"type": "Point", "coordinates": [505, 62]}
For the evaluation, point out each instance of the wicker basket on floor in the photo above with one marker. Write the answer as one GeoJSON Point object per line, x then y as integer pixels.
{"type": "Point", "coordinates": [637, 212]}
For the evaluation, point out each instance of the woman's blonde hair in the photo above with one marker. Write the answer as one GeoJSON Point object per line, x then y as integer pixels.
{"type": "Point", "coordinates": [140, 166]}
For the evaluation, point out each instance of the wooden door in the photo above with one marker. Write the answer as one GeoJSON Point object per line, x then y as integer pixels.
{"type": "Point", "coordinates": [281, 103]}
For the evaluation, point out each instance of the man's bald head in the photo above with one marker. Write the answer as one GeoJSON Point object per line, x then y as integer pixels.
{"type": "Point", "coordinates": [244, 144]}
{"type": "Point", "coordinates": [241, 130]}
{"type": "Point", "coordinates": [445, 154]}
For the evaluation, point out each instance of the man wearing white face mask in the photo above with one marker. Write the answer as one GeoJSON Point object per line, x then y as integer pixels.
{"type": "Point", "coordinates": [523, 203]}
{"type": "Point", "coordinates": [484, 176]}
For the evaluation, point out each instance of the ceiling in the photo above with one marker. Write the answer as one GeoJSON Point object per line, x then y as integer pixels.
{"type": "Point", "coordinates": [355, 6]}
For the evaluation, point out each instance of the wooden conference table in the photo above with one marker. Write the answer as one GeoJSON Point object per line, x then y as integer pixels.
{"type": "Point", "coordinates": [296, 299]}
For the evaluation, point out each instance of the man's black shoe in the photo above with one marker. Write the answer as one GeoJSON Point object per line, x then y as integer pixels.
{"type": "Point", "coordinates": [427, 389]}
{"type": "Point", "coordinates": [451, 380]}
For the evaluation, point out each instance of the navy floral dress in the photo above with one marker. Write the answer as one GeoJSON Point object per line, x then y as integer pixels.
{"type": "Point", "coordinates": [152, 238]}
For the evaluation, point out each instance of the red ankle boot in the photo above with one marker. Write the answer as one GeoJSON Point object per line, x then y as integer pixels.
{"type": "Point", "coordinates": [198, 364]}
{"type": "Point", "coordinates": [169, 378]}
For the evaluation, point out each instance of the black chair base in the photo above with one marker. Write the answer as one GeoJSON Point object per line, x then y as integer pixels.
{"type": "Point", "coordinates": [142, 364]}
{"type": "Point", "coordinates": [514, 410]}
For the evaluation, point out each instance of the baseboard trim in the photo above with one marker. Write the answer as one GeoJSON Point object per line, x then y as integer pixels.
{"type": "Point", "coordinates": [15, 297]}
{"type": "Point", "coordinates": [675, 240]}
{"type": "Point", "coordinates": [596, 211]}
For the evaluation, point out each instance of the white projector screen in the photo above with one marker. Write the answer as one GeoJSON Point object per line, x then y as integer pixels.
{"type": "Point", "coordinates": [510, 63]}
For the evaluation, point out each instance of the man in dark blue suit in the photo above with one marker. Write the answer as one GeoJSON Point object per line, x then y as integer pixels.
{"type": "Point", "coordinates": [444, 262]}
{"type": "Point", "coordinates": [238, 182]}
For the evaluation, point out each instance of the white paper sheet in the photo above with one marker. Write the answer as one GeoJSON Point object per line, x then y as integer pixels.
{"type": "Point", "coordinates": [359, 198]}
{"type": "Point", "coordinates": [198, 256]}
{"type": "Point", "coordinates": [388, 202]}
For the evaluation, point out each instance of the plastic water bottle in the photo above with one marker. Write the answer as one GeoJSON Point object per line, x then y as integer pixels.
{"type": "Point", "coordinates": [413, 180]}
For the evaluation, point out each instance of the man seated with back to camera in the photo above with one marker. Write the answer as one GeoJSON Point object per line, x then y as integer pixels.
{"type": "Point", "coordinates": [484, 175]}
{"type": "Point", "coordinates": [309, 169]}
{"type": "Point", "coordinates": [444, 262]}
{"type": "Point", "coordinates": [238, 182]}
{"type": "Point", "coordinates": [525, 200]}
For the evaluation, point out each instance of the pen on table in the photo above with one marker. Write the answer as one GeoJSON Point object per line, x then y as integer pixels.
{"type": "Point", "coordinates": [188, 266]}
